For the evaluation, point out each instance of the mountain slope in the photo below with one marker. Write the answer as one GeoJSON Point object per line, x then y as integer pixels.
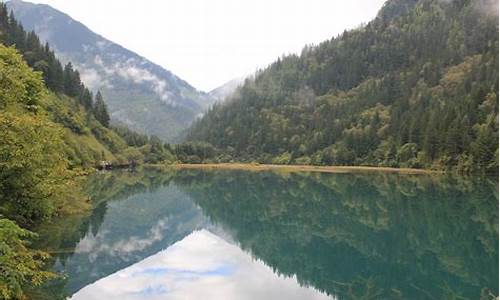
{"type": "Point", "coordinates": [416, 87]}
{"type": "Point", "coordinates": [139, 93]}
{"type": "Point", "coordinates": [220, 93]}
{"type": "Point", "coordinates": [51, 128]}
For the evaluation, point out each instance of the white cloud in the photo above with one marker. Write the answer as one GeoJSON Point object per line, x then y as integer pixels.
{"type": "Point", "coordinates": [91, 78]}
{"type": "Point", "coordinates": [130, 71]}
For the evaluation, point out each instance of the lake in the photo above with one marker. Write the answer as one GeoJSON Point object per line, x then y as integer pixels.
{"type": "Point", "coordinates": [262, 235]}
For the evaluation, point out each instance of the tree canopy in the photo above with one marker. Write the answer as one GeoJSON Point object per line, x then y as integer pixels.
{"type": "Point", "coordinates": [416, 87]}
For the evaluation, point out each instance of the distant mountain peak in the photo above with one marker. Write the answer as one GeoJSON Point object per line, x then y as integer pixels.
{"type": "Point", "coordinates": [222, 92]}
{"type": "Point", "coordinates": [139, 93]}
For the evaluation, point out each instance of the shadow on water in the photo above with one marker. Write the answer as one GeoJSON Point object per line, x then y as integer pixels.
{"type": "Point", "coordinates": [373, 236]}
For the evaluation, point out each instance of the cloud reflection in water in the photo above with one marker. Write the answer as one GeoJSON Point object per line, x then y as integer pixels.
{"type": "Point", "coordinates": [201, 266]}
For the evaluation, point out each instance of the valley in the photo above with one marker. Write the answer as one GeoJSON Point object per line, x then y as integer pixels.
{"type": "Point", "coordinates": [362, 167]}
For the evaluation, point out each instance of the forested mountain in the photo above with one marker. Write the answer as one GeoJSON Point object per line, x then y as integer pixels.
{"type": "Point", "coordinates": [415, 87]}
{"type": "Point", "coordinates": [139, 93]}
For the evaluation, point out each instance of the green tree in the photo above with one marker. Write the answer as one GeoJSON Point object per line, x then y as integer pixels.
{"type": "Point", "coordinates": [100, 110]}
{"type": "Point", "coordinates": [19, 265]}
{"type": "Point", "coordinates": [71, 81]}
{"type": "Point", "coordinates": [18, 83]}
{"type": "Point", "coordinates": [32, 163]}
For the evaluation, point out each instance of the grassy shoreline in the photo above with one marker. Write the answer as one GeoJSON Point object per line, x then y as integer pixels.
{"type": "Point", "coordinates": [302, 168]}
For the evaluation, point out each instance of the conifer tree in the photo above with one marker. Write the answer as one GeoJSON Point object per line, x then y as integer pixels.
{"type": "Point", "coordinates": [100, 110]}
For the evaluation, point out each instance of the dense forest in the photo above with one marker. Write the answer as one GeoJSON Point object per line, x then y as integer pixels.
{"type": "Point", "coordinates": [416, 87]}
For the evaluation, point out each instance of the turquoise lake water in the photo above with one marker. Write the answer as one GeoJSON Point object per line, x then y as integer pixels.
{"type": "Point", "coordinates": [262, 235]}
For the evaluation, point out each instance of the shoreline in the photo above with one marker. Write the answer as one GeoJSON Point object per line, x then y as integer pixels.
{"type": "Point", "coordinates": [303, 168]}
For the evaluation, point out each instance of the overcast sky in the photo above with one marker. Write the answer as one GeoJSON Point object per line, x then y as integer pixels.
{"type": "Point", "coordinates": [208, 43]}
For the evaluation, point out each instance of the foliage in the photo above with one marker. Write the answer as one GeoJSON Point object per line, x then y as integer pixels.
{"type": "Point", "coordinates": [195, 152]}
{"type": "Point", "coordinates": [416, 87]}
{"type": "Point", "coordinates": [18, 264]}
{"type": "Point", "coordinates": [42, 59]}
{"type": "Point", "coordinates": [100, 110]}
{"type": "Point", "coordinates": [26, 91]}
{"type": "Point", "coordinates": [283, 159]}
{"type": "Point", "coordinates": [32, 167]}
{"type": "Point", "coordinates": [132, 138]}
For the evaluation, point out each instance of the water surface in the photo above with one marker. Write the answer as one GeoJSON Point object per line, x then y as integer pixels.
{"type": "Point", "coordinates": [262, 235]}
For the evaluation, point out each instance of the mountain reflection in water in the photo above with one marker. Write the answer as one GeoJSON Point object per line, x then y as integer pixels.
{"type": "Point", "coordinates": [258, 235]}
{"type": "Point", "coordinates": [201, 266]}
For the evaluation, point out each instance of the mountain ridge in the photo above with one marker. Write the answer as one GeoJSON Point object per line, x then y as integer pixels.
{"type": "Point", "coordinates": [416, 87]}
{"type": "Point", "coordinates": [221, 92]}
{"type": "Point", "coordinates": [140, 94]}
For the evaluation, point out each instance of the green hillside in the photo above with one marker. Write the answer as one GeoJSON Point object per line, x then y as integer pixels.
{"type": "Point", "coordinates": [51, 129]}
{"type": "Point", "coordinates": [415, 87]}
